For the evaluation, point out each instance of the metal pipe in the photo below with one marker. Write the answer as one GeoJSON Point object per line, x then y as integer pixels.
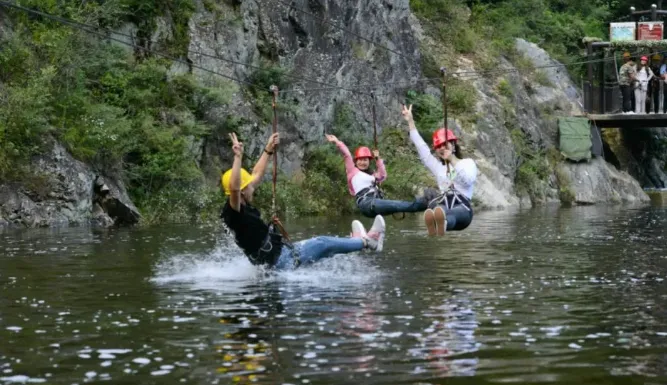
{"type": "Point", "coordinates": [602, 87]}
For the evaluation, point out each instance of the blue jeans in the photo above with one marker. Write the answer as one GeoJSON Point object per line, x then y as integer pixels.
{"type": "Point", "coordinates": [370, 207]}
{"type": "Point", "coordinates": [313, 249]}
{"type": "Point", "coordinates": [458, 217]}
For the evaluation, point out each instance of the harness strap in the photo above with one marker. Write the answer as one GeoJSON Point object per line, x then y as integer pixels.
{"type": "Point", "coordinates": [288, 243]}
{"type": "Point", "coordinates": [372, 191]}
{"type": "Point", "coordinates": [450, 198]}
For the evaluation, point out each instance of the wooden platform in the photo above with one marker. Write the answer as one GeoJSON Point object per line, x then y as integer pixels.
{"type": "Point", "coordinates": [628, 120]}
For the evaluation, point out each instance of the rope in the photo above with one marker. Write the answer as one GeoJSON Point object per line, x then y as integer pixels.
{"type": "Point", "coordinates": [444, 109]}
{"type": "Point", "coordinates": [274, 215]}
{"type": "Point", "coordinates": [375, 130]}
{"type": "Point", "coordinates": [274, 90]}
{"type": "Point", "coordinates": [375, 138]}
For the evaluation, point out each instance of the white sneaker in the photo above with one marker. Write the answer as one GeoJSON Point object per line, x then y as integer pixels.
{"type": "Point", "coordinates": [358, 230]}
{"type": "Point", "coordinates": [375, 237]}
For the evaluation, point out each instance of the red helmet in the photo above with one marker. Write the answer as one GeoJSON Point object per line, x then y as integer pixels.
{"type": "Point", "coordinates": [440, 136]}
{"type": "Point", "coordinates": [362, 152]}
{"type": "Point", "coordinates": [644, 58]}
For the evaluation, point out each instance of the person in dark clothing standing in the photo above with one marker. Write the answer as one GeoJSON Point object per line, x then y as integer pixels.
{"type": "Point", "coordinates": [654, 85]}
{"type": "Point", "coordinates": [626, 79]}
{"type": "Point", "coordinates": [262, 243]}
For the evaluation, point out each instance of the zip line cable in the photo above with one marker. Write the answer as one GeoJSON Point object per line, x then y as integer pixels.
{"type": "Point", "coordinates": [92, 28]}
{"type": "Point", "coordinates": [76, 25]}
{"type": "Point", "coordinates": [464, 75]}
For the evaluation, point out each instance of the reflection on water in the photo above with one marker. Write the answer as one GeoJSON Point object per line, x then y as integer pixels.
{"type": "Point", "coordinates": [544, 295]}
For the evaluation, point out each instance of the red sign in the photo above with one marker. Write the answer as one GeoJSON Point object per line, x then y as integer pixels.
{"type": "Point", "coordinates": [650, 30]}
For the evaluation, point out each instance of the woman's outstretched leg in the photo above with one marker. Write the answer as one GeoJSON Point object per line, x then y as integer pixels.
{"type": "Point", "coordinates": [456, 218]}
{"type": "Point", "coordinates": [388, 207]}
{"type": "Point", "coordinates": [317, 248]}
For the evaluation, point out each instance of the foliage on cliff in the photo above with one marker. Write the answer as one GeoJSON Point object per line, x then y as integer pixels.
{"type": "Point", "coordinates": [120, 111]}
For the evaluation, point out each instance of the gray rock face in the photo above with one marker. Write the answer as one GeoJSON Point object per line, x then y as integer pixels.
{"type": "Point", "coordinates": [599, 182]}
{"type": "Point", "coordinates": [649, 155]}
{"type": "Point", "coordinates": [65, 191]}
{"type": "Point", "coordinates": [313, 49]}
{"type": "Point", "coordinates": [568, 96]}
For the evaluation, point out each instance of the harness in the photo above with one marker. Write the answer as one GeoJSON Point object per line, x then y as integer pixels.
{"type": "Point", "coordinates": [267, 246]}
{"type": "Point", "coordinates": [451, 198]}
{"type": "Point", "coordinates": [373, 192]}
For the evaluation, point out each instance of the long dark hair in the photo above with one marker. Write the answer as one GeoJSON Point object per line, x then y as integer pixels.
{"type": "Point", "coordinates": [457, 152]}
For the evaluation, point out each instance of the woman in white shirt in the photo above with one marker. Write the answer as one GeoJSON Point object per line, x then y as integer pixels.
{"type": "Point", "coordinates": [451, 209]}
{"type": "Point", "coordinates": [644, 75]}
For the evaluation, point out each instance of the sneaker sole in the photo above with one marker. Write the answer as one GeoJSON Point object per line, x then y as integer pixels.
{"type": "Point", "coordinates": [429, 221]}
{"type": "Point", "coordinates": [380, 243]}
{"type": "Point", "coordinates": [440, 220]}
{"type": "Point", "coordinates": [384, 229]}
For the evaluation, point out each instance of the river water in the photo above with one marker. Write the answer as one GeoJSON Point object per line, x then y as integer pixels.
{"type": "Point", "coordinates": [557, 295]}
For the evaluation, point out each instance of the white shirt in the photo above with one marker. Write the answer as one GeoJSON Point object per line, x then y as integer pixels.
{"type": "Point", "coordinates": [361, 180]}
{"type": "Point", "coordinates": [463, 176]}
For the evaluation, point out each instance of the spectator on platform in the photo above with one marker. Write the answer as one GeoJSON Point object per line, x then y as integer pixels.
{"type": "Point", "coordinates": [654, 86]}
{"type": "Point", "coordinates": [626, 79]}
{"type": "Point", "coordinates": [663, 80]}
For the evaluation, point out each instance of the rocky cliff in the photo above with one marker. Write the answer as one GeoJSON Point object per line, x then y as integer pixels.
{"type": "Point", "coordinates": [515, 111]}
{"type": "Point", "coordinates": [510, 130]}
{"type": "Point", "coordinates": [64, 191]}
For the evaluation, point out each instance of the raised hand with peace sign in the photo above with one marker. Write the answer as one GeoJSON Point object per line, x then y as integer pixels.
{"type": "Point", "coordinates": [237, 147]}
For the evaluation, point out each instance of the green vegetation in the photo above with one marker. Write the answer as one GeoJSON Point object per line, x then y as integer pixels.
{"type": "Point", "coordinates": [124, 115]}
{"type": "Point", "coordinates": [127, 113]}
{"type": "Point", "coordinates": [260, 94]}
{"type": "Point", "coordinates": [505, 89]}
{"type": "Point", "coordinates": [566, 194]}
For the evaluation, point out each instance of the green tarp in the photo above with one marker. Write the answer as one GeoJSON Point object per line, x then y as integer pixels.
{"type": "Point", "coordinates": [575, 138]}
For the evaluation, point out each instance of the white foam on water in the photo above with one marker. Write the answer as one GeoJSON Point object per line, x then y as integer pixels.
{"type": "Point", "coordinates": [141, 361]}
{"type": "Point", "coordinates": [113, 351]}
{"type": "Point", "coordinates": [353, 268]}
{"type": "Point", "coordinates": [159, 372]}
{"type": "Point", "coordinates": [206, 269]}
{"type": "Point", "coordinates": [227, 264]}
{"type": "Point", "coordinates": [23, 380]}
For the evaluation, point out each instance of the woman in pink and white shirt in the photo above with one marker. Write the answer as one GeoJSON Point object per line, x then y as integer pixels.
{"type": "Point", "coordinates": [363, 184]}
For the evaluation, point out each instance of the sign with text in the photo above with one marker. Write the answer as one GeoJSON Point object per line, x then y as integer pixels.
{"type": "Point", "coordinates": [622, 31]}
{"type": "Point", "coordinates": [650, 30]}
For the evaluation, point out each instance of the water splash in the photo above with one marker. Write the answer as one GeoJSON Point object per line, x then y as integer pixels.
{"type": "Point", "coordinates": [226, 263]}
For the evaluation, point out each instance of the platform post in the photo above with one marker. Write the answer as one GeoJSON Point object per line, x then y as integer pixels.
{"type": "Point", "coordinates": [588, 101]}
{"type": "Point", "coordinates": [602, 85]}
